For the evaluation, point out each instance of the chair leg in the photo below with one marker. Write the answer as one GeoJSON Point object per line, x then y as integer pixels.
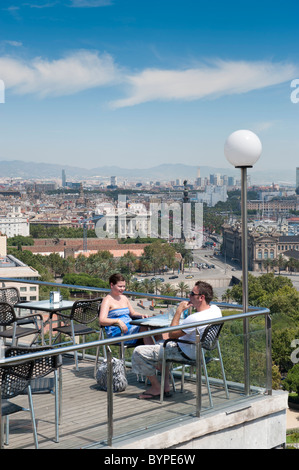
{"type": "Point", "coordinates": [83, 352]}
{"type": "Point", "coordinates": [163, 366]}
{"type": "Point", "coordinates": [96, 362]}
{"type": "Point", "coordinates": [32, 416]}
{"type": "Point", "coordinates": [74, 342]}
{"type": "Point", "coordinates": [7, 431]}
{"type": "Point", "coordinates": [222, 371]}
{"type": "Point", "coordinates": [1, 431]}
{"type": "Point", "coordinates": [207, 377]}
{"type": "Point", "coordinates": [183, 378]}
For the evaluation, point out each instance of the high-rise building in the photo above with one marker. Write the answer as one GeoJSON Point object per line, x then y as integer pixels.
{"type": "Point", "coordinates": [113, 181]}
{"type": "Point", "coordinates": [297, 179]}
{"type": "Point", "coordinates": [63, 180]}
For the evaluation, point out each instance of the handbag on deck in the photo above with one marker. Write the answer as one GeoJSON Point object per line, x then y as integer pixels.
{"type": "Point", "coordinates": [119, 379]}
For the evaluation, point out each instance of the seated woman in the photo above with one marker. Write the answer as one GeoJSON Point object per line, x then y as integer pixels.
{"type": "Point", "coordinates": [117, 312]}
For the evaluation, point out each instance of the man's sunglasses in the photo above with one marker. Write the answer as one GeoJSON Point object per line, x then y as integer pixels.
{"type": "Point", "coordinates": [192, 294]}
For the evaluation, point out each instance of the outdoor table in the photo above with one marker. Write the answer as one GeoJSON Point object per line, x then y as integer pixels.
{"type": "Point", "coordinates": [156, 321]}
{"type": "Point", "coordinates": [46, 306]}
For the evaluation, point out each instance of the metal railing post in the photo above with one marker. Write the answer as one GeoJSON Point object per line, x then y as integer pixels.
{"type": "Point", "coordinates": [268, 354]}
{"type": "Point", "coordinates": [109, 397]}
{"type": "Point", "coordinates": [198, 374]}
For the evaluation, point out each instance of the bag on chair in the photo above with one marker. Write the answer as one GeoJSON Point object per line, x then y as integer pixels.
{"type": "Point", "coordinates": [119, 379]}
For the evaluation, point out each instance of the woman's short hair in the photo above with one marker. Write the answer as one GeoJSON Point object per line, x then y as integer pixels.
{"type": "Point", "coordinates": [115, 278]}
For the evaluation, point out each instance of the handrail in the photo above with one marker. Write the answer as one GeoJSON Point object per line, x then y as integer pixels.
{"type": "Point", "coordinates": [105, 290]}
{"type": "Point", "coordinates": [110, 341]}
{"type": "Point", "coordinates": [254, 311]}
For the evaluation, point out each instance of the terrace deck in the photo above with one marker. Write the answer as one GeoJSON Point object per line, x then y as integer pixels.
{"type": "Point", "coordinates": [84, 418]}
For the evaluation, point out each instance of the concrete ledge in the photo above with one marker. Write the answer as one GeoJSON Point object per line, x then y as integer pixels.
{"type": "Point", "coordinates": [255, 423]}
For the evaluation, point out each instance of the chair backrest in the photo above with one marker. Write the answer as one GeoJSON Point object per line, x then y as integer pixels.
{"type": "Point", "coordinates": [10, 295]}
{"type": "Point", "coordinates": [7, 314]}
{"type": "Point", "coordinates": [210, 336]}
{"type": "Point", "coordinates": [15, 379]}
{"type": "Point", "coordinates": [41, 366]}
{"type": "Point", "coordinates": [86, 311]}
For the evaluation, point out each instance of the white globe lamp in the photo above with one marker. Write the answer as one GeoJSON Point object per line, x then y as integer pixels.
{"type": "Point", "coordinates": [243, 148]}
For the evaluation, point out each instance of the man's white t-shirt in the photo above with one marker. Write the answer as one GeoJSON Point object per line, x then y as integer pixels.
{"type": "Point", "coordinates": [210, 313]}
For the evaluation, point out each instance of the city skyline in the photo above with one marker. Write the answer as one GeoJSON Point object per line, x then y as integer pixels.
{"type": "Point", "coordinates": [135, 84]}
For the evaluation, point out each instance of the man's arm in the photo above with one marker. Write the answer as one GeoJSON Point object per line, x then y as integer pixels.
{"type": "Point", "coordinates": [176, 320]}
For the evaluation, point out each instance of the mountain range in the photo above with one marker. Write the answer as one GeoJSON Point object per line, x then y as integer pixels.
{"type": "Point", "coordinates": [32, 170]}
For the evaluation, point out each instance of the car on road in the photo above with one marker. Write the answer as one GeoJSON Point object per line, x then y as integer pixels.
{"type": "Point", "coordinates": [153, 278]}
{"type": "Point", "coordinates": [161, 279]}
{"type": "Point", "coordinates": [189, 276]}
{"type": "Point", "coordinates": [173, 277]}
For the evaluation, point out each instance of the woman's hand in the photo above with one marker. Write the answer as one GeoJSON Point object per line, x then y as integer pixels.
{"type": "Point", "coordinates": [123, 327]}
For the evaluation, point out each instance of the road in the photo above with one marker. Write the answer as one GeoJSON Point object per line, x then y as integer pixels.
{"type": "Point", "coordinates": [219, 276]}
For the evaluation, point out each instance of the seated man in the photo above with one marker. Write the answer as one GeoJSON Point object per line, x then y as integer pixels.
{"type": "Point", "coordinates": [145, 359]}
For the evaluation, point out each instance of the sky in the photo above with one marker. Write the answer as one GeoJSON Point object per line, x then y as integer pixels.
{"type": "Point", "coordinates": [138, 83]}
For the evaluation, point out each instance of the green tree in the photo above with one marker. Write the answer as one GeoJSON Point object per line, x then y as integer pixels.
{"type": "Point", "coordinates": [183, 288]}
{"type": "Point", "coordinates": [291, 383]}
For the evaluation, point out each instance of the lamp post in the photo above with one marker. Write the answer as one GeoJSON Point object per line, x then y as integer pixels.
{"type": "Point", "coordinates": [242, 149]}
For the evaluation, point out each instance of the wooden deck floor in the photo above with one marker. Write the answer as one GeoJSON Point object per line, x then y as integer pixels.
{"type": "Point", "coordinates": [84, 419]}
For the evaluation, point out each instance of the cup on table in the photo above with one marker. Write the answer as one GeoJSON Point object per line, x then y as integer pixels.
{"type": "Point", "coordinates": [171, 312]}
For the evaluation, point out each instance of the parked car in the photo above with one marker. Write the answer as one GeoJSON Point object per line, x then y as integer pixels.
{"type": "Point", "coordinates": [161, 279]}
{"type": "Point", "coordinates": [173, 277]}
{"type": "Point", "coordinates": [153, 278]}
{"type": "Point", "coordinates": [189, 276]}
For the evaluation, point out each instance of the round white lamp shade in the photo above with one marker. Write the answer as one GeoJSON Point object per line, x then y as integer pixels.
{"type": "Point", "coordinates": [242, 148]}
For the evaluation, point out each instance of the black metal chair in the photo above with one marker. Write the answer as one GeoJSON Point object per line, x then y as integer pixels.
{"type": "Point", "coordinates": [12, 296]}
{"type": "Point", "coordinates": [8, 318]}
{"type": "Point", "coordinates": [83, 314]}
{"type": "Point", "coordinates": [40, 382]}
{"type": "Point", "coordinates": [14, 379]}
{"type": "Point", "coordinates": [208, 342]}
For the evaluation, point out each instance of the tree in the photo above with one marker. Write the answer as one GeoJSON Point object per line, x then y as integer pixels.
{"type": "Point", "coordinates": [291, 383]}
{"type": "Point", "coordinates": [128, 263]}
{"type": "Point", "coordinates": [159, 254]}
{"type": "Point", "coordinates": [267, 263]}
{"type": "Point", "coordinates": [280, 263]}
{"type": "Point", "coordinates": [184, 288]}
{"type": "Point", "coordinates": [281, 347]}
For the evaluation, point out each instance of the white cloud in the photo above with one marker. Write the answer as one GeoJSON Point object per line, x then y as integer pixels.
{"type": "Point", "coordinates": [221, 78]}
{"type": "Point", "coordinates": [90, 3]}
{"type": "Point", "coordinates": [76, 72]}
{"type": "Point", "coordinates": [262, 126]}
{"type": "Point", "coordinates": [12, 43]}
{"type": "Point", "coordinates": [83, 70]}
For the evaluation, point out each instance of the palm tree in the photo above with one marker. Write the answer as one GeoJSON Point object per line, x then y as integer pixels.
{"type": "Point", "coordinates": [184, 288]}
{"type": "Point", "coordinates": [267, 263]}
{"type": "Point", "coordinates": [281, 263]}
{"type": "Point", "coordinates": [148, 286]}
{"type": "Point", "coordinates": [157, 284]}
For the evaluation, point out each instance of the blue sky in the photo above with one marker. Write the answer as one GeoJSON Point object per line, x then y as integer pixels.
{"type": "Point", "coordinates": [137, 83]}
